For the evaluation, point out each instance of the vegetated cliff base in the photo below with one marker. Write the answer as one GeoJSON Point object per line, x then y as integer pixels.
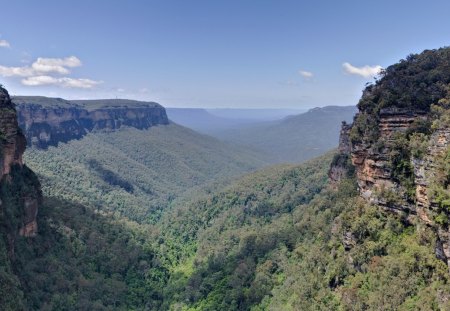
{"type": "Point", "coordinates": [399, 143]}
{"type": "Point", "coordinates": [20, 192]}
{"type": "Point", "coordinates": [48, 121]}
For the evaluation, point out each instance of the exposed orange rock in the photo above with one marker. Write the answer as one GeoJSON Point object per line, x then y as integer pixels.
{"type": "Point", "coordinates": [12, 147]}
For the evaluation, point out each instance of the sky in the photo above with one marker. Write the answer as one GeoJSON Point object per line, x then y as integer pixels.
{"type": "Point", "coordinates": [212, 53]}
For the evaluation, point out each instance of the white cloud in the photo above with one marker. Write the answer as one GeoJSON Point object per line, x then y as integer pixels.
{"type": "Point", "coordinates": [42, 71]}
{"type": "Point", "coordinates": [365, 71]}
{"type": "Point", "coordinates": [57, 65]}
{"type": "Point", "coordinates": [39, 80]}
{"type": "Point", "coordinates": [4, 44]}
{"type": "Point", "coordinates": [306, 74]}
{"type": "Point", "coordinates": [16, 71]}
{"type": "Point", "coordinates": [63, 82]}
{"type": "Point", "coordinates": [42, 66]}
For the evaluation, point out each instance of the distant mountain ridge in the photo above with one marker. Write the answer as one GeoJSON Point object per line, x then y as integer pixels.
{"type": "Point", "coordinates": [49, 121]}
{"type": "Point", "coordinates": [295, 138]}
{"type": "Point", "coordinates": [202, 120]}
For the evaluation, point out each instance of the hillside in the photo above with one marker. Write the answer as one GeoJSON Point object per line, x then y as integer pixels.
{"type": "Point", "coordinates": [49, 121]}
{"type": "Point", "coordinates": [365, 227]}
{"type": "Point", "coordinates": [135, 172]}
{"type": "Point", "coordinates": [281, 238]}
{"type": "Point", "coordinates": [296, 138]}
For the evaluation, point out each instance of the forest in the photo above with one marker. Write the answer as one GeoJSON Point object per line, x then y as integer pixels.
{"type": "Point", "coordinates": [176, 220]}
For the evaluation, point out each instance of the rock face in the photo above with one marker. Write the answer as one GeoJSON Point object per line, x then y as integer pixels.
{"type": "Point", "coordinates": [20, 194]}
{"type": "Point", "coordinates": [374, 170]}
{"type": "Point", "coordinates": [13, 142]}
{"type": "Point", "coordinates": [48, 121]}
{"type": "Point", "coordinates": [399, 143]}
{"type": "Point", "coordinates": [339, 168]}
{"type": "Point", "coordinates": [372, 161]}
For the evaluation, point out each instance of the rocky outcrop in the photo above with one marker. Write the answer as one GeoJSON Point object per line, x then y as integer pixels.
{"type": "Point", "coordinates": [49, 121]}
{"type": "Point", "coordinates": [339, 168]}
{"type": "Point", "coordinates": [373, 163]}
{"type": "Point", "coordinates": [12, 140]}
{"type": "Point", "coordinates": [20, 193]}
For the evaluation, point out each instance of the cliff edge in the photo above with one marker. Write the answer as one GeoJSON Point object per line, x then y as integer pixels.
{"type": "Point", "coordinates": [399, 143]}
{"type": "Point", "coordinates": [20, 191]}
{"type": "Point", "coordinates": [49, 121]}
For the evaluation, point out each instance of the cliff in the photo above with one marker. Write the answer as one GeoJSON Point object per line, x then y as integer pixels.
{"type": "Point", "coordinates": [20, 192]}
{"type": "Point", "coordinates": [48, 121]}
{"type": "Point", "coordinates": [399, 143]}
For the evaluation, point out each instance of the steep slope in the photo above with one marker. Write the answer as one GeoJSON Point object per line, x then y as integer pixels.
{"type": "Point", "coordinates": [215, 121]}
{"type": "Point", "coordinates": [20, 198]}
{"type": "Point", "coordinates": [400, 142]}
{"type": "Point", "coordinates": [295, 138]}
{"type": "Point", "coordinates": [137, 173]}
{"type": "Point", "coordinates": [282, 239]}
{"type": "Point", "coordinates": [67, 257]}
{"type": "Point", "coordinates": [49, 121]}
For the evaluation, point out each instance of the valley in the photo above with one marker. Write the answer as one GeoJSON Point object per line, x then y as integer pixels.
{"type": "Point", "coordinates": [120, 204]}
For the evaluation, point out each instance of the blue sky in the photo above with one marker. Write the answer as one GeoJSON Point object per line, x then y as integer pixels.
{"type": "Point", "coordinates": [239, 54]}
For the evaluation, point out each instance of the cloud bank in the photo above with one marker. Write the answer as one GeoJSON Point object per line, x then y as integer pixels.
{"type": "Point", "coordinates": [43, 71]}
{"type": "Point", "coordinates": [63, 82]}
{"type": "Point", "coordinates": [365, 71]}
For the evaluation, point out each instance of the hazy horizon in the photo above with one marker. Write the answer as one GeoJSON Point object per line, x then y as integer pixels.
{"type": "Point", "coordinates": [207, 54]}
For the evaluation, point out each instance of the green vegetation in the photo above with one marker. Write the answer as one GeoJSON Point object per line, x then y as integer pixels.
{"type": "Point", "coordinates": [415, 82]}
{"type": "Point", "coordinates": [132, 221]}
{"type": "Point", "coordinates": [296, 138]}
{"type": "Point", "coordinates": [440, 186]}
{"type": "Point", "coordinates": [80, 260]}
{"type": "Point", "coordinates": [113, 103]}
{"type": "Point", "coordinates": [49, 102]}
{"type": "Point", "coordinates": [274, 240]}
{"type": "Point", "coordinates": [137, 173]}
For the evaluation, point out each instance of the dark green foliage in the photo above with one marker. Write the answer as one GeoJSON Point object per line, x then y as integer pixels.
{"type": "Point", "coordinates": [274, 240]}
{"type": "Point", "coordinates": [412, 86]}
{"type": "Point", "coordinates": [343, 161]}
{"type": "Point", "coordinates": [83, 260]}
{"type": "Point", "coordinates": [137, 173]}
{"type": "Point", "coordinates": [415, 82]}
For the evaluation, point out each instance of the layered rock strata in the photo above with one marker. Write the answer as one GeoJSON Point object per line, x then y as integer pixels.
{"type": "Point", "coordinates": [20, 194]}
{"type": "Point", "coordinates": [49, 121]}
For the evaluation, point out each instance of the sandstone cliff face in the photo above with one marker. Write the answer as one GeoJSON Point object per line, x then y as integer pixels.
{"type": "Point", "coordinates": [374, 171]}
{"type": "Point", "coordinates": [339, 167]}
{"type": "Point", "coordinates": [372, 161]}
{"type": "Point", "coordinates": [47, 125]}
{"type": "Point", "coordinates": [20, 193]}
{"type": "Point", "coordinates": [13, 142]}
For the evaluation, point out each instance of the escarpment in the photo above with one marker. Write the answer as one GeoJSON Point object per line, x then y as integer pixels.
{"type": "Point", "coordinates": [20, 191]}
{"type": "Point", "coordinates": [399, 143]}
{"type": "Point", "coordinates": [49, 121]}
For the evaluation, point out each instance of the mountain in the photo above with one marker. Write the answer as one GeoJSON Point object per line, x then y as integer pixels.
{"type": "Point", "coordinates": [137, 172]}
{"type": "Point", "coordinates": [295, 138]}
{"type": "Point", "coordinates": [364, 227]}
{"type": "Point", "coordinates": [49, 121]}
{"type": "Point", "coordinates": [205, 122]}
{"type": "Point", "coordinates": [374, 236]}
{"type": "Point", "coordinates": [399, 142]}
{"type": "Point", "coordinates": [254, 114]}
